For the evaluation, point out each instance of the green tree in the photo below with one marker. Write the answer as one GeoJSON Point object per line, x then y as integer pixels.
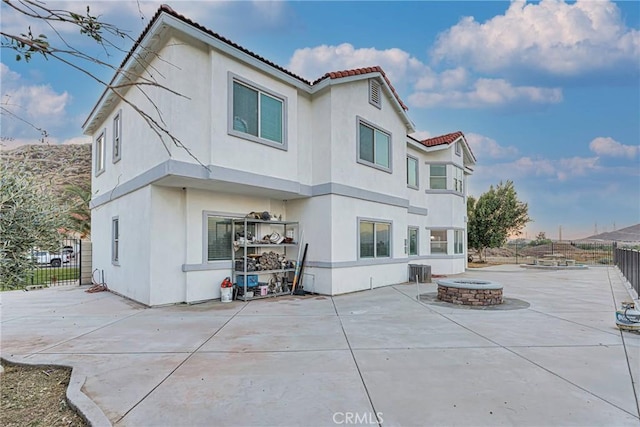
{"type": "Point", "coordinates": [79, 214]}
{"type": "Point", "coordinates": [30, 216]}
{"type": "Point", "coordinates": [541, 239]}
{"type": "Point", "coordinates": [494, 216]}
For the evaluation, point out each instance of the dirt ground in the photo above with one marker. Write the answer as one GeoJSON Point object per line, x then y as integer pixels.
{"type": "Point", "coordinates": [475, 264]}
{"type": "Point", "coordinates": [36, 396]}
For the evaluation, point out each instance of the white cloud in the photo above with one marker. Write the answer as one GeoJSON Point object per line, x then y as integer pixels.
{"type": "Point", "coordinates": [78, 140]}
{"type": "Point", "coordinates": [487, 93]}
{"type": "Point", "coordinates": [7, 144]}
{"type": "Point", "coordinates": [450, 88]}
{"type": "Point", "coordinates": [313, 62]}
{"type": "Point", "coordinates": [562, 169]}
{"type": "Point", "coordinates": [529, 166]}
{"type": "Point", "coordinates": [576, 166]}
{"type": "Point", "coordinates": [606, 146]}
{"type": "Point", "coordinates": [453, 78]}
{"type": "Point", "coordinates": [26, 107]}
{"type": "Point", "coordinates": [421, 135]}
{"type": "Point", "coordinates": [7, 76]}
{"type": "Point", "coordinates": [271, 11]}
{"type": "Point", "coordinates": [559, 38]}
{"type": "Point", "coordinates": [484, 146]}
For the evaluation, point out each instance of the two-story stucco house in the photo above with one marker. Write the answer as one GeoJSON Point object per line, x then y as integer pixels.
{"type": "Point", "coordinates": [333, 155]}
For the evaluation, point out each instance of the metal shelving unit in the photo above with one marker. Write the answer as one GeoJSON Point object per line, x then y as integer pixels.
{"type": "Point", "coordinates": [244, 244]}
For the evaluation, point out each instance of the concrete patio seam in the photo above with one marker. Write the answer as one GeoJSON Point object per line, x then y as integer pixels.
{"type": "Point", "coordinates": [531, 361]}
{"type": "Point", "coordinates": [80, 336]}
{"type": "Point", "coordinates": [109, 353]}
{"type": "Point", "coordinates": [566, 346]}
{"type": "Point", "coordinates": [574, 322]}
{"type": "Point", "coordinates": [189, 356]}
{"type": "Point", "coordinates": [355, 361]}
{"type": "Point", "coordinates": [61, 307]}
{"type": "Point", "coordinates": [271, 351]}
{"type": "Point", "coordinates": [570, 382]}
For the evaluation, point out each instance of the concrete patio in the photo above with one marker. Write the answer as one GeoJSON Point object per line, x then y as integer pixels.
{"type": "Point", "coordinates": [373, 357]}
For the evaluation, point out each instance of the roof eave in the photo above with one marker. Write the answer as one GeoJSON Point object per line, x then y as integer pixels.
{"type": "Point", "coordinates": [152, 35]}
{"type": "Point", "coordinates": [165, 20]}
{"type": "Point", "coordinates": [376, 74]}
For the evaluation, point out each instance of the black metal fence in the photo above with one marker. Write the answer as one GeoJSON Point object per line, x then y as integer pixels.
{"type": "Point", "coordinates": [628, 261]}
{"type": "Point", "coordinates": [56, 267]}
{"type": "Point", "coordinates": [521, 252]}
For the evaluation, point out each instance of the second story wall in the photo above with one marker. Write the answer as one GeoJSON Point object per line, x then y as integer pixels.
{"type": "Point", "coordinates": [130, 146]}
{"type": "Point", "coordinates": [368, 144]}
{"type": "Point", "coordinates": [255, 120]}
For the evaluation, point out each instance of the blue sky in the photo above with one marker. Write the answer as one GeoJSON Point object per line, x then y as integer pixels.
{"type": "Point", "coordinates": [547, 93]}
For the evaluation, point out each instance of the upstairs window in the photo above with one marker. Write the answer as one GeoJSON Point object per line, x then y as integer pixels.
{"type": "Point", "coordinates": [257, 114]}
{"type": "Point", "coordinates": [412, 172]}
{"type": "Point", "coordinates": [438, 177]}
{"type": "Point", "coordinates": [458, 148]}
{"type": "Point", "coordinates": [117, 131]}
{"type": "Point", "coordinates": [375, 93]}
{"type": "Point", "coordinates": [374, 146]}
{"type": "Point", "coordinates": [99, 153]}
{"type": "Point", "coordinates": [458, 180]}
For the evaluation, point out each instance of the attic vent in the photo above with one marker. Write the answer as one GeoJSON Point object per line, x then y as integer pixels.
{"type": "Point", "coordinates": [375, 93]}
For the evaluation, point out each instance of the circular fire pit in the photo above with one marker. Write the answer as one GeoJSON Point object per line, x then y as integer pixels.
{"type": "Point", "coordinates": [469, 292]}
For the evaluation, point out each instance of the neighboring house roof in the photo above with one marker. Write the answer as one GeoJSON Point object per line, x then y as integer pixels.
{"type": "Point", "coordinates": [331, 75]}
{"type": "Point", "coordinates": [447, 139]}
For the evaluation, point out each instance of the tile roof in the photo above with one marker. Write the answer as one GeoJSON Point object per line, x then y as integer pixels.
{"type": "Point", "coordinates": [359, 71]}
{"type": "Point", "coordinates": [449, 138]}
{"type": "Point", "coordinates": [330, 75]}
{"type": "Point", "coordinates": [166, 8]}
{"type": "Point", "coordinates": [333, 75]}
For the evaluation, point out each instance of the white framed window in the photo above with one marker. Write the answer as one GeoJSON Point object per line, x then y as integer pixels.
{"type": "Point", "coordinates": [458, 179]}
{"type": "Point", "coordinates": [256, 113]}
{"type": "Point", "coordinates": [458, 241]}
{"type": "Point", "coordinates": [458, 148]}
{"type": "Point", "coordinates": [117, 137]}
{"type": "Point", "coordinates": [412, 172]}
{"type": "Point", "coordinates": [115, 240]}
{"type": "Point", "coordinates": [374, 146]}
{"type": "Point", "coordinates": [374, 239]}
{"type": "Point", "coordinates": [438, 241]}
{"type": "Point", "coordinates": [375, 93]}
{"type": "Point", "coordinates": [219, 239]}
{"type": "Point", "coordinates": [412, 236]}
{"type": "Point", "coordinates": [100, 152]}
{"type": "Point", "coordinates": [438, 177]}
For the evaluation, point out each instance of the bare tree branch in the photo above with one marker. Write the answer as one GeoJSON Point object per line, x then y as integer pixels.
{"type": "Point", "coordinates": [28, 44]}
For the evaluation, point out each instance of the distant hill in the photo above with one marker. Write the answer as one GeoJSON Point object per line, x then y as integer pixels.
{"type": "Point", "coordinates": [628, 234]}
{"type": "Point", "coordinates": [57, 165]}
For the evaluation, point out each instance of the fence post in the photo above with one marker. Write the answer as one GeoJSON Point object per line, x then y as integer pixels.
{"type": "Point", "coordinates": [85, 263]}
